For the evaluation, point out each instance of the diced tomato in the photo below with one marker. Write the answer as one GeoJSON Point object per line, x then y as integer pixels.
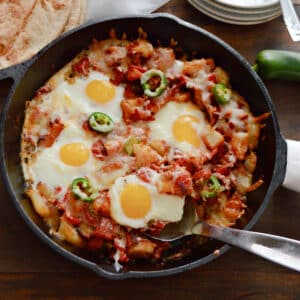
{"type": "Point", "coordinates": [86, 127]}
{"type": "Point", "coordinates": [44, 90]}
{"type": "Point", "coordinates": [58, 189]}
{"type": "Point", "coordinates": [134, 72]}
{"type": "Point", "coordinates": [99, 150]}
{"type": "Point", "coordinates": [119, 76]}
{"type": "Point", "coordinates": [82, 66]}
{"type": "Point", "coordinates": [73, 220]}
{"type": "Point", "coordinates": [105, 229]}
{"type": "Point", "coordinates": [223, 170]}
{"type": "Point", "coordinates": [55, 129]}
{"type": "Point", "coordinates": [212, 78]}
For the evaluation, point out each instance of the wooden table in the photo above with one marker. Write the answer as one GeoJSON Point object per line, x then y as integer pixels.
{"type": "Point", "coordinates": [30, 270]}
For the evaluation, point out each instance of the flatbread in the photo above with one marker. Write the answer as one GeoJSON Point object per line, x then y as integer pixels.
{"type": "Point", "coordinates": [46, 22]}
{"type": "Point", "coordinates": [13, 16]}
{"type": "Point", "coordinates": [83, 12]}
{"type": "Point", "coordinates": [74, 19]}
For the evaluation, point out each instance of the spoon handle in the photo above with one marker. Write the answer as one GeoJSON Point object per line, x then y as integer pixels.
{"type": "Point", "coordinates": [291, 19]}
{"type": "Point", "coordinates": [281, 250]}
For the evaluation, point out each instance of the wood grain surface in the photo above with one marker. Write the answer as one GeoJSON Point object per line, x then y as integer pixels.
{"type": "Point", "coordinates": [31, 270]}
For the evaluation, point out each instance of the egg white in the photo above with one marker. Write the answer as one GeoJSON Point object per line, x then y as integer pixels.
{"type": "Point", "coordinates": [48, 167]}
{"type": "Point", "coordinates": [163, 206]}
{"type": "Point", "coordinates": [161, 127]}
{"type": "Point", "coordinates": [69, 101]}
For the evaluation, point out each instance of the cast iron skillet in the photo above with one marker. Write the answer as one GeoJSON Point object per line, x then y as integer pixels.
{"type": "Point", "coordinates": [29, 76]}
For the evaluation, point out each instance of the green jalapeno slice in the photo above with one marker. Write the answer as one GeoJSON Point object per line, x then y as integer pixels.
{"type": "Point", "coordinates": [128, 146]}
{"type": "Point", "coordinates": [147, 87]}
{"type": "Point", "coordinates": [82, 189]}
{"type": "Point", "coordinates": [101, 122]}
{"type": "Point", "coordinates": [214, 188]}
{"type": "Point", "coordinates": [222, 93]}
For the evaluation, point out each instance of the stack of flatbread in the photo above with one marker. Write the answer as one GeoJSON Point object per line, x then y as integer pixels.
{"type": "Point", "coordinates": [26, 26]}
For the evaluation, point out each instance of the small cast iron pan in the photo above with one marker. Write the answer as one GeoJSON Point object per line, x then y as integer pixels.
{"type": "Point", "coordinates": [29, 76]}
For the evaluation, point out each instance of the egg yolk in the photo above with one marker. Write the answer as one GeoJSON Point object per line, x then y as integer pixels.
{"type": "Point", "coordinates": [100, 91]}
{"type": "Point", "coordinates": [75, 154]}
{"type": "Point", "coordinates": [135, 201]}
{"type": "Point", "coordinates": [184, 131]}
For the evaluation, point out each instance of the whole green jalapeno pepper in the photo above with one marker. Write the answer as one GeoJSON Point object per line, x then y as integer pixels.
{"type": "Point", "coordinates": [278, 64]}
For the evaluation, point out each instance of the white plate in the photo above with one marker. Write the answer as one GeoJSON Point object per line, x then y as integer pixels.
{"type": "Point", "coordinates": [228, 19]}
{"type": "Point", "coordinates": [234, 15]}
{"type": "Point", "coordinates": [229, 9]}
{"type": "Point", "coordinates": [248, 3]}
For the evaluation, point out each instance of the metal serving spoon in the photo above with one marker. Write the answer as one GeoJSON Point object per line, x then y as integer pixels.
{"type": "Point", "coordinates": [291, 19]}
{"type": "Point", "coordinates": [280, 250]}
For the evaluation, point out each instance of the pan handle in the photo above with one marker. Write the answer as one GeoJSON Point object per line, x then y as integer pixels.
{"type": "Point", "coordinates": [8, 73]}
{"type": "Point", "coordinates": [292, 175]}
{"type": "Point", "coordinates": [15, 72]}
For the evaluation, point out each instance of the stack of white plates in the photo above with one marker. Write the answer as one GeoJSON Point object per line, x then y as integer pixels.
{"type": "Point", "coordinates": [241, 12]}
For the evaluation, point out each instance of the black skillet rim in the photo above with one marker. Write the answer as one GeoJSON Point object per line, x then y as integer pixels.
{"type": "Point", "coordinates": [17, 73]}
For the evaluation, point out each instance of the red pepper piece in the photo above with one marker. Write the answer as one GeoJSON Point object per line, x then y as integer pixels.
{"type": "Point", "coordinates": [82, 66]}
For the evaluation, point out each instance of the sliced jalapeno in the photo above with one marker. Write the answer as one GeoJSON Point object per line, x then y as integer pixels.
{"type": "Point", "coordinates": [214, 188]}
{"type": "Point", "coordinates": [208, 194]}
{"type": "Point", "coordinates": [147, 87]}
{"type": "Point", "coordinates": [82, 189]}
{"type": "Point", "coordinates": [128, 147]}
{"type": "Point", "coordinates": [101, 122]}
{"type": "Point", "coordinates": [222, 93]}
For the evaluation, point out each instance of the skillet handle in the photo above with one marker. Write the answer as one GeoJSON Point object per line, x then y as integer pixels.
{"type": "Point", "coordinates": [292, 175]}
{"type": "Point", "coordinates": [16, 72]}
{"type": "Point", "coordinates": [10, 72]}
